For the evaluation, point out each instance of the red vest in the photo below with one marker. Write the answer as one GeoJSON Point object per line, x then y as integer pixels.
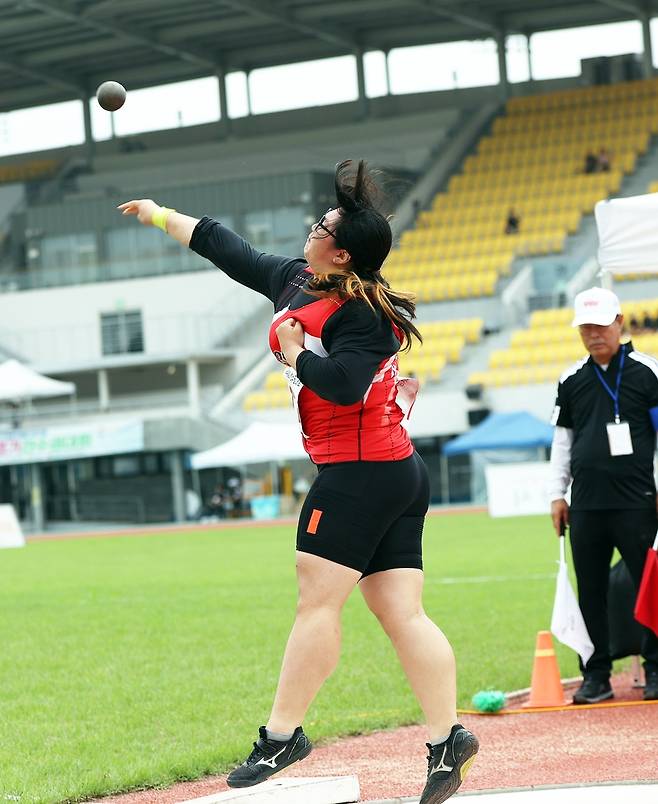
{"type": "Point", "coordinates": [369, 430]}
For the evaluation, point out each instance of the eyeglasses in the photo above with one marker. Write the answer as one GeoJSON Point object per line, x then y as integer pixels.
{"type": "Point", "coordinates": [319, 226]}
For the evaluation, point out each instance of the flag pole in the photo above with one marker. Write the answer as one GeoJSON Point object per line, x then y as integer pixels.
{"type": "Point", "coordinates": [655, 544]}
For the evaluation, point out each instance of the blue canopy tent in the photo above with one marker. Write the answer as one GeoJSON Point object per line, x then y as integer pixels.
{"type": "Point", "coordinates": [503, 431]}
{"type": "Point", "coordinates": [500, 438]}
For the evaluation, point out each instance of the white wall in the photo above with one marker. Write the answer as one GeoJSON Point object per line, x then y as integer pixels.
{"type": "Point", "coordinates": [536, 399]}
{"type": "Point", "coordinates": [439, 413]}
{"type": "Point", "coordinates": [182, 314]}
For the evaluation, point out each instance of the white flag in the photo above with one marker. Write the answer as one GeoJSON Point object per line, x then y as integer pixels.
{"type": "Point", "coordinates": [567, 622]}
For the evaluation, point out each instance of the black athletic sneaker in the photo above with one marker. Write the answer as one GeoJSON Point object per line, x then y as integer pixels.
{"type": "Point", "coordinates": [268, 757]}
{"type": "Point", "coordinates": [651, 687]}
{"type": "Point", "coordinates": [593, 690]}
{"type": "Point", "coordinates": [448, 764]}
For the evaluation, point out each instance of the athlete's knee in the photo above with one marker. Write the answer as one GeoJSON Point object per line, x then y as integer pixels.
{"type": "Point", "coordinates": [325, 612]}
{"type": "Point", "coordinates": [395, 618]}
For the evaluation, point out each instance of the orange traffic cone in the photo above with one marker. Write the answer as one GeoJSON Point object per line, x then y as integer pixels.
{"type": "Point", "coordinates": [545, 687]}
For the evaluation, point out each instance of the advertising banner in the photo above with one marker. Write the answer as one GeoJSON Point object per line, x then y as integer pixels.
{"type": "Point", "coordinates": [11, 534]}
{"type": "Point", "coordinates": [75, 441]}
{"type": "Point", "coordinates": [518, 489]}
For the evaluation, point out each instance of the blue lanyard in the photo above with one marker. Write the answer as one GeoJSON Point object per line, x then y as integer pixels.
{"type": "Point", "coordinates": [613, 394]}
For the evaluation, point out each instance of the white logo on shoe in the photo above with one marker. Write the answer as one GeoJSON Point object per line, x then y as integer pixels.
{"type": "Point", "coordinates": [271, 762]}
{"type": "Point", "coordinates": [441, 766]}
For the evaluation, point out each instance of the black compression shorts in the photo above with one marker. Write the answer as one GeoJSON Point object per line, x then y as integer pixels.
{"type": "Point", "coordinates": [367, 515]}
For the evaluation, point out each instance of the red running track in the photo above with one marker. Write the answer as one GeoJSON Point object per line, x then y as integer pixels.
{"type": "Point", "coordinates": [576, 746]}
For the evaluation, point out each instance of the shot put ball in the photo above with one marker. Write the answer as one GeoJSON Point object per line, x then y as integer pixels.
{"type": "Point", "coordinates": [111, 95]}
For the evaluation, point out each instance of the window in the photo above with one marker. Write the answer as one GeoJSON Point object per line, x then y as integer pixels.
{"type": "Point", "coordinates": [151, 463]}
{"type": "Point", "coordinates": [134, 251]}
{"type": "Point", "coordinates": [126, 466]}
{"type": "Point", "coordinates": [309, 83]}
{"type": "Point", "coordinates": [450, 65]}
{"type": "Point", "coordinates": [278, 231]}
{"type": "Point", "coordinates": [574, 44]}
{"type": "Point", "coordinates": [122, 332]}
{"type": "Point", "coordinates": [69, 251]}
{"type": "Point", "coordinates": [184, 103]}
{"type": "Point", "coordinates": [42, 127]}
{"type": "Point", "coordinates": [142, 251]}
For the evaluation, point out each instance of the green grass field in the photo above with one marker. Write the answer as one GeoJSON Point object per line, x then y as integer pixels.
{"type": "Point", "coordinates": [131, 662]}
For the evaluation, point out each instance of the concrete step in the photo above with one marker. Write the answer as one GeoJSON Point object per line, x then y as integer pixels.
{"type": "Point", "coordinates": [296, 790]}
{"type": "Point", "coordinates": [597, 794]}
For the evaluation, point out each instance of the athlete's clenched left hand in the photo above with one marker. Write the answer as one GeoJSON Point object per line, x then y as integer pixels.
{"type": "Point", "coordinates": [291, 339]}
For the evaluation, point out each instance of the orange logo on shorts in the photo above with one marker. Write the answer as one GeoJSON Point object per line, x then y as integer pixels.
{"type": "Point", "coordinates": [314, 521]}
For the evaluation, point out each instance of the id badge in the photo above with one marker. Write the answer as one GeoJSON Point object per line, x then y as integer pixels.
{"type": "Point", "coordinates": [619, 438]}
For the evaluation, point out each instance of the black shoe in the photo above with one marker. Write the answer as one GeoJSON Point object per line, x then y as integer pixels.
{"type": "Point", "coordinates": [593, 690]}
{"type": "Point", "coordinates": [448, 764]}
{"type": "Point", "coordinates": [651, 686]}
{"type": "Point", "coordinates": [269, 757]}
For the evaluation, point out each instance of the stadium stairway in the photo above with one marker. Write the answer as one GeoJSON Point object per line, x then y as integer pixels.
{"type": "Point", "coordinates": [583, 245]}
{"type": "Point", "coordinates": [579, 248]}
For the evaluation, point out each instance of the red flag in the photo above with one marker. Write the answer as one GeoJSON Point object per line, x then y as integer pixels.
{"type": "Point", "coordinates": [646, 605]}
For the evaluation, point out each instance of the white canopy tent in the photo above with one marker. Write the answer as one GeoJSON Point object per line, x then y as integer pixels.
{"type": "Point", "coordinates": [19, 382]}
{"type": "Point", "coordinates": [628, 234]}
{"type": "Point", "coordinates": [260, 442]}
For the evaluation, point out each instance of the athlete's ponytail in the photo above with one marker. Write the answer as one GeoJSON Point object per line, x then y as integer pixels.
{"type": "Point", "coordinates": [365, 234]}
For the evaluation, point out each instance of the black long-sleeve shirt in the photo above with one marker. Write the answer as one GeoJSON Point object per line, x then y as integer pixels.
{"type": "Point", "coordinates": [583, 406]}
{"type": "Point", "coordinates": [355, 338]}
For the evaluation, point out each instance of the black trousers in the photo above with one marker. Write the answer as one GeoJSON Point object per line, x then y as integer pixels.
{"type": "Point", "coordinates": [594, 535]}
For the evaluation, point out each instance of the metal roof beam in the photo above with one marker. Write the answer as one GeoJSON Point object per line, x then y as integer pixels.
{"type": "Point", "coordinates": [624, 5]}
{"type": "Point", "coordinates": [275, 13]}
{"type": "Point", "coordinates": [483, 22]}
{"type": "Point", "coordinates": [146, 39]}
{"type": "Point", "coordinates": [48, 76]}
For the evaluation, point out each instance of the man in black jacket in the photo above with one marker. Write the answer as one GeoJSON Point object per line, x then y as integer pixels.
{"type": "Point", "coordinates": [606, 417]}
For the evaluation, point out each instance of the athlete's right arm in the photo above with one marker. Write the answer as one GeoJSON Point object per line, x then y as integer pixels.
{"type": "Point", "coordinates": [179, 226]}
{"type": "Point", "coordinates": [264, 273]}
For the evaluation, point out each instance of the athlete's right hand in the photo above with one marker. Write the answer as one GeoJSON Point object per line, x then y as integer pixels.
{"type": "Point", "coordinates": [142, 208]}
{"type": "Point", "coordinates": [560, 516]}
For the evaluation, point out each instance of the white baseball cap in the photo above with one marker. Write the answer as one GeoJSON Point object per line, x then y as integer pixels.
{"type": "Point", "coordinates": [595, 306]}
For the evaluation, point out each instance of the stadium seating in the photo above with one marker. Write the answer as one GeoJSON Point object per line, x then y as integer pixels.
{"type": "Point", "coordinates": [443, 342]}
{"type": "Point", "coordinates": [28, 171]}
{"type": "Point", "coordinates": [550, 344]}
{"type": "Point", "coordinates": [533, 162]}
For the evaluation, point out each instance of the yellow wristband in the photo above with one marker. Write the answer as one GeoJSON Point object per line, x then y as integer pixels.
{"type": "Point", "coordinates": [159, 217]}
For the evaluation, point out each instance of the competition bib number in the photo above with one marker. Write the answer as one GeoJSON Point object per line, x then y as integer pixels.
{"type": "Point", "coordinates": [619, 438]}
{"type": "Point", "coordinates": [295, 385]}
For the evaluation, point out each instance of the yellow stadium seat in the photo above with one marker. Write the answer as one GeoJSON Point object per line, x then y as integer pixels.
{"type": "Point", "coordinates": [275, 379]}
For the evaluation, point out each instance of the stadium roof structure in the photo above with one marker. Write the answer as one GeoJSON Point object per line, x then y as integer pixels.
{"type": "Point", "coordinates": [55, 50]}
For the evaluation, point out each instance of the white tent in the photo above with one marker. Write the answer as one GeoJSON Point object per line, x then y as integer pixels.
{"type": "Point", "coordinates": [19, 382]}
{"type": "Point", "coordinates": [259, 443]}
{"type": "Point", "coordinates": [628, 234]}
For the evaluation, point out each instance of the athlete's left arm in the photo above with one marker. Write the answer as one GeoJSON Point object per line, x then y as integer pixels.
{"type": "Point", "coordinates": [357, 340]}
